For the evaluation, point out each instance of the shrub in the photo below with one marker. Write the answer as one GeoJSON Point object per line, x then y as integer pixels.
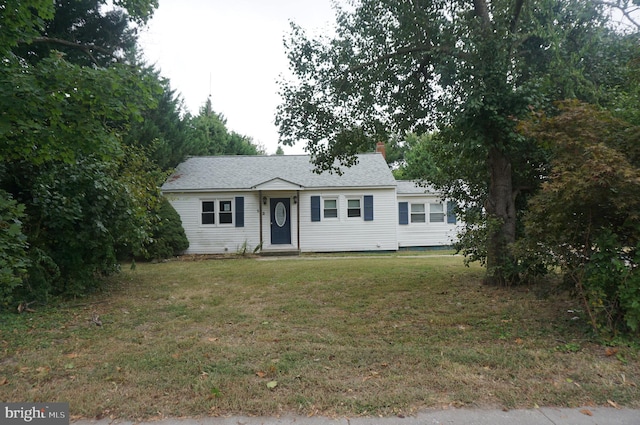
{"type": "Point", "coordinates": [610, 285]}
{"type": "Point", "coordinates": [168, 238]}
{"type": "Point", "coordinates": [13, 248]}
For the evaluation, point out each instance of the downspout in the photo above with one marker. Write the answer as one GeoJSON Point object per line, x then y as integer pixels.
{"type": "Point", "coordinates": [298, 213]}
{"type": "Point", "coordinates": [260, 203]}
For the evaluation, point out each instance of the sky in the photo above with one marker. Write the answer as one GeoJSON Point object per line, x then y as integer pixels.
{"type": "Point", "coordinates": [232, 50]}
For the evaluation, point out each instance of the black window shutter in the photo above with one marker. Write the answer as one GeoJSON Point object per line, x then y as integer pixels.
{"type": "Point", "coordinates": [368, 208]}
{"type": "Point", "coordinates": [315, 208]}
{"type": "Point", "coordinates": [239, 211]}
{"type": "Point", "coordinates": [403, 211]}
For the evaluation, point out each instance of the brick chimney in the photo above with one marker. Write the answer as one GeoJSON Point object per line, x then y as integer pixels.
{"type": "Point", "coordinates": [381, 149]}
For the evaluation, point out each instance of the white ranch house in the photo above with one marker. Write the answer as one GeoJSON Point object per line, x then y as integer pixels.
{"type": "Point", "coordinates": [280, 204]}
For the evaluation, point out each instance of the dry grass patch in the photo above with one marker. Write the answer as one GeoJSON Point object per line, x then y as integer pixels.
{"type": "Point", "coordinates": [339, 336]}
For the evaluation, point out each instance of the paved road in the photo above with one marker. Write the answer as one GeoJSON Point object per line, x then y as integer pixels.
{"type": "Point", "coordinates": [543, 416]}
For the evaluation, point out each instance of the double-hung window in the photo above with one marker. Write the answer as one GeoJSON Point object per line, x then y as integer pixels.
{"type": "Point", "coordinates": [330, 208]}
{"type": "Point", "coordinates": [436, 213]}
{"type": "Point", "coordinates": [418, 213]}
{"type": "Point", "coordinates": [218, 212]}
{"type": "Point", "coordinates": [225, 214]}
{"type": "Point", "coordinates": [208, 212]}
{"type": "Point", "coordinates": [353, 208]}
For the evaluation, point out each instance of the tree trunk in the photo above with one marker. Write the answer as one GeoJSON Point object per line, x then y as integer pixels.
{"type": "Point", "coordinates": [500, 207]}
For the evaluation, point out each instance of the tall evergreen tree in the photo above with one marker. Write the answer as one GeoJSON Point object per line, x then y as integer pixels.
{"type": "Point", "coordinates": [208, 135]}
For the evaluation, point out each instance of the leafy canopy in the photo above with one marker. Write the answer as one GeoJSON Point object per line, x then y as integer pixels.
{"type": "Point", "coordinates": [467, 69]}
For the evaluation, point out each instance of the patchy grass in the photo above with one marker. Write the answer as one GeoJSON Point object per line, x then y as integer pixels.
{"type": "Point", "coordinates": [339, 336]}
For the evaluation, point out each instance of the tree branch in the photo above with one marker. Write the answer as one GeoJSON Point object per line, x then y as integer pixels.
{"type": "Point", "coordinates": [86, 48]}
{"type": "Point", "coordinates": [399, 52]}
{"type": "Point", "coordinates": [622, 7]}
{"type": "Point", "coordinates": [516, 16]}
{"type": "Point", "coordinates": [482, 12]}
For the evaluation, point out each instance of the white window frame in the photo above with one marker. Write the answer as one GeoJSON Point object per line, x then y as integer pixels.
{"type": "Point", "coordinates": [324, 209]}
{"type": "Point", "coordinates": [417, 214]}
{"type": "Point", "coordinates": [217, 212]}
{"type": "Point", "coordinates": [212, 213]}
{"type": "Point", "coordinates": [229, 212]}
{"type": "Point", "coordinates": [441, 213]}
{"type": "Point", "coordinates": [360, 215]}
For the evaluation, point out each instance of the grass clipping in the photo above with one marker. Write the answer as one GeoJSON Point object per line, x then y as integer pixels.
{"type": "Point", "coordinates": [339, 336]}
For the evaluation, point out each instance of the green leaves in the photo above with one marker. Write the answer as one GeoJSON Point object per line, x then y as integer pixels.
{"type": "Point", "coordinates": [208, 135]}
{"type": "Point", "coordinates": [84, 196]}
{"type": "Point", "coordinates": [469, 70]}
{"type": "Point", "coordinates": [584, 218]}
{"type": "Point", "coordinates": [13, 248]}
{"type": "Point", "coordinates": [56, 110]}
{"type": "Point", "coordinates": [21, 21]}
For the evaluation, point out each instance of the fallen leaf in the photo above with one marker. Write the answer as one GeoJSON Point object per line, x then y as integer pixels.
{"type": "Point", "coordinates": [272, 384]}
{"type": "Point", "coordinates": [212, 339]}
{"type": "Point", "coordinates": [261, 374]}
{"type": "Point", "coordinates": [609, 351]}
{"type": "Point", "coordinates": [72, 355]}
{"type": "Point", "coordinates": [613, 404]}
{"type": "Point", "coordinates": [586, 412]}
{"type": "Point", "coordinates": [3, 381]}
{"type": "Point", "coordinates": [519, 341]}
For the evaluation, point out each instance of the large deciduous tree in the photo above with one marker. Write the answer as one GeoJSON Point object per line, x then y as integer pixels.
{"type": "Point", "coordinates": [469, 69]}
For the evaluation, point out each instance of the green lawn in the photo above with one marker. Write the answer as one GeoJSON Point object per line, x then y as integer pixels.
{"type": "Point", "coordinates": [379, 335]}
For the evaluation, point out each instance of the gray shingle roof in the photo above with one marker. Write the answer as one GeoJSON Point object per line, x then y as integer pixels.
{"type": "Point", "coordinates": [247, 172]}
{"type": "Point", "coordinates": [411, 187]}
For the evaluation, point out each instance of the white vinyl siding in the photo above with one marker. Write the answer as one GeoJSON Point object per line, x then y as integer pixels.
{"type": "Point", "coordinates": [345, 233]}
{"type": "Point", "coordinates": [217, 238]}
{"type": "Point", "coordinates": [426, 222]}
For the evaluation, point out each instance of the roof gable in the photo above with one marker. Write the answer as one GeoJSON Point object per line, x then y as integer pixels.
{"type": "Point", "coordinates": [213, 173]}
{"type": "Point", "coordinates": [277, 184]}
